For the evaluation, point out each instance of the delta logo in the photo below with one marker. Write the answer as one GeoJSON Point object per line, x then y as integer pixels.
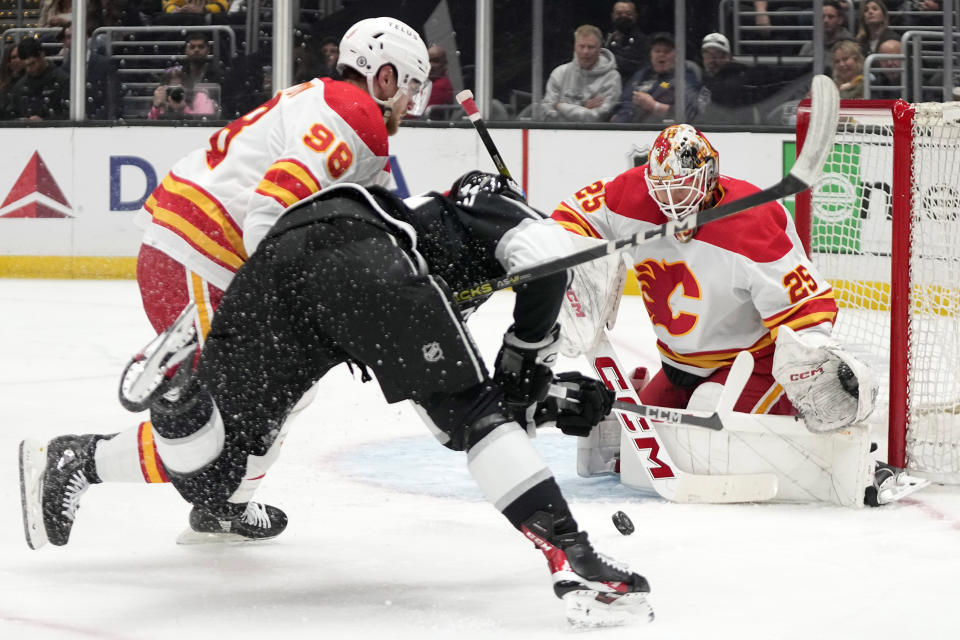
{"type": "Point", "coordinates": [35, 194]}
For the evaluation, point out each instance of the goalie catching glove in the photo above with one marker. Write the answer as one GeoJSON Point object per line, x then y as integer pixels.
{"type": "Point", "coordinates": [585, 403]}
{"type": "Point", "coordinates": [828, 386]}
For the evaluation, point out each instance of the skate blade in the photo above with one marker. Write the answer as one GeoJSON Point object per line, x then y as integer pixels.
{"type": "Point", "coordinates": [33, 462]}
{"type": "Point", "coordinates": [191, 537]}
{"type": "Point", "coordinates": [588, 609]}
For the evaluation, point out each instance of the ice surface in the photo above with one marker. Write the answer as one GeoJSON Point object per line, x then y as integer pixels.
{"type": "Point", "coordinates": [389, 537]}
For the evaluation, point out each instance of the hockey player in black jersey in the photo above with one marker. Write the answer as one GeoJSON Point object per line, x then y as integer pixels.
{"type": "Point", "coordinates": [357, 275]}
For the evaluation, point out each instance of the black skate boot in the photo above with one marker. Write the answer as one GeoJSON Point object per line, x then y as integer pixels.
{"type": "Point", "coordinates": [256, 522]}
{"type": "Point", "coordinates": [53, 477]}
{"type": "Point", "coordinates": [597, 591]}
{"type": "Point", "coordinates": [890, 484]}
{"type": "Point", "coordinates": [155, 371]}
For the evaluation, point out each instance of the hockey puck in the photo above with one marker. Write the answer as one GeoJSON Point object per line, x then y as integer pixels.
{"type": "Point", "coordinates": [623, 523]}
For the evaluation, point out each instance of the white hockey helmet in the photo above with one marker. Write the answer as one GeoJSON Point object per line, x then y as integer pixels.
{"type": "Point", "coordinates": [372, 43]}
{"type": "Point", "coordinates": [683, 169]}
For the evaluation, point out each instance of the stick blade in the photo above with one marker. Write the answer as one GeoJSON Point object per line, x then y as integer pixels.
{"type": "Point", "coordinates": [722, 489]}
{"type": "Point", "coordinates": [824, 113]}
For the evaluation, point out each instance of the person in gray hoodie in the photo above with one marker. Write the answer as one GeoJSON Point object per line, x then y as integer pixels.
{"type": "Point", "coordinates": [587, 88]}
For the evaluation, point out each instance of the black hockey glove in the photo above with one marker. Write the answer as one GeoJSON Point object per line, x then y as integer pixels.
{"type": "Point", "coordinates": [588, 402]}
{"type": "Point", "coordinates": [473, 182]}
{"type": "Point", "coordinates": [523, 372]}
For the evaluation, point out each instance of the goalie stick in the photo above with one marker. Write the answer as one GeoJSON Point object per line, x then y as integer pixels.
{"type": "Point", "coordinates": [809, 164]}
{"type": "Point", "coordinates": [667, 479]}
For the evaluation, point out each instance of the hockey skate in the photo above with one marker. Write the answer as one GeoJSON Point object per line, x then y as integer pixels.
{"type": "Point", "coordinates": [53, 477]}
{"type": "Point", "coordinates": [153, 372]}
{"type": "Point", "coordinates": [256, 522]}
{"type": "Point", "coordinates": [597, 591]}
{"type": "Point", "coordinates": [890, 484]}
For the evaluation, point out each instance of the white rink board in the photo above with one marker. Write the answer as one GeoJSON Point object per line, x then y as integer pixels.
{"type": "Point", "coordinates": [101, 201]}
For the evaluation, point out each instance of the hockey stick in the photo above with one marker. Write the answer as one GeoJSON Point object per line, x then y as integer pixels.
{"type": "Point", "coordinates": [666, 478]}
{"type": "Point", "coordinates": [823, 125]}
{"type": "Point", "coordinates": [465, 98]}
{"type": "Point", "coordinates": [705, 419]}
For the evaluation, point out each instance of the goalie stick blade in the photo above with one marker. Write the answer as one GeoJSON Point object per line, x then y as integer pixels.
{"type": "Point", "coordinates": [587, 609]}
{"type": "Point", "coordinates": [33, 463]}
{"type": "Point", "coordinates": [716, 489]}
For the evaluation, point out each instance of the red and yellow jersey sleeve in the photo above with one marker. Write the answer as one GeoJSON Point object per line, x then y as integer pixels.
{"type": "Point", "coordinates": [288, 181]}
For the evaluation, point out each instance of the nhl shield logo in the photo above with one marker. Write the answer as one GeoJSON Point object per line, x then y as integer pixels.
{"type": "Point", "coordinates": [432, 352]}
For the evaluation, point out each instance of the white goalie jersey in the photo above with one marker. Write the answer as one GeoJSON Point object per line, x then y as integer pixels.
{"type": "Point", "coordinates": [724, 290]}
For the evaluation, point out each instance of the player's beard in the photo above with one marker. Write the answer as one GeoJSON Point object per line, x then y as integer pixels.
{"type": "Point", "coordinates": [392, 119]}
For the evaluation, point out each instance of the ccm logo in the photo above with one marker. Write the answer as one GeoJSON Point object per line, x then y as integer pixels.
{"type": "Point", "coordinates": [806, 374]}
{"type": "Point", "coordinates": [575, 304]}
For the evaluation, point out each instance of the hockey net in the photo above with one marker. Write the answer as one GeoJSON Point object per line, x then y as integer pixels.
{"type": "Point", "coordinates": [883, 225]}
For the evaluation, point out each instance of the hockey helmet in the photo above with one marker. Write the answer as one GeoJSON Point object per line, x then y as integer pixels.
{"type": "Point", "coordinates": [372, 43]}
{"type": "Point", "coordinates": [683, 169]}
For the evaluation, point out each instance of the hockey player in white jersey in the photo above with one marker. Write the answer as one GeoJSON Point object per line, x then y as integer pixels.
{"type": "Point", "coordinates": [207, 217]}
{"type": "Point", "coordinates": [742, 283]}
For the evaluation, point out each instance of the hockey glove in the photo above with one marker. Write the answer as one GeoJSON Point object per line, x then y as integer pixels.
{"type": "Point", "coordinates": [474, 182]}
{"type": "Point", "coordinates": [523, 372]}
{"type": "Point", "coordinates": [588, 401]}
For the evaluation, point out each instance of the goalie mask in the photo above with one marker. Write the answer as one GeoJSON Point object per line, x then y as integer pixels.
{"type": "Point", "coordinates": [683, 170]}
{"type": "Point", "coordinates": [372, 43]}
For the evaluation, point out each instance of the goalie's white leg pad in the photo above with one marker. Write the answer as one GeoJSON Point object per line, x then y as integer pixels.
{"type": "Point", "coordinates": [599, 453]}
{"type": "Point", "coordinates": [833, 467]}
{"type": "Point", "coordinates": [588, 609]}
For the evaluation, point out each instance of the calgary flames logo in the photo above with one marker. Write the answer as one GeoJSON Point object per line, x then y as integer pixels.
{"type": "Point", "coordinates": [658, 282]}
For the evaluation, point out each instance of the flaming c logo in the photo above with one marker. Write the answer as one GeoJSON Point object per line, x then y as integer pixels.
{"type": "Point", "coordinates": [658, 281]}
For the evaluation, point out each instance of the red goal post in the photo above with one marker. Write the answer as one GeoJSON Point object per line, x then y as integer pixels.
{"type": "Point", "coordinates": [883, 225]}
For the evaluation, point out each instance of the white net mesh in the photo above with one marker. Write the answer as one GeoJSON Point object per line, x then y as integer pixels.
{"type": "Point", "coordinates": [851, 242]}
{"type": "Point", "coordinates": [933, 431]}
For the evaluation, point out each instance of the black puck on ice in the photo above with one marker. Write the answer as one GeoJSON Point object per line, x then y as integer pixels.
{"type": "Point", "coordinates": [623, 523]}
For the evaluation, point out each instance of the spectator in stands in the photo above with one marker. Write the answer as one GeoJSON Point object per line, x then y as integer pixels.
{"type": "Point", "coordinates": [629, 45]}
{"type": "Point", "coordinates": [11, 68]}
{"type": "Point", "coordinates": [921, 13]}
{"type": "Point", "coordinates": [55, 13]}
{"type": "Point", "coordinates": [441, 91]}
{"type": "Point", "coordinates": [650, 95]}
{"type": "Point", "coordinates": [64, 37]}
{"type": "Point", "coordinates": [889, 72]}
{"type": "Point", "coordinates": [586, 88]}
{"type": "Point", "coordinates": [834, 30]}
{"type": "Point", "coordinates": [172, 100]}
{"type": "Point", "coordinates": [724, 83]}
{"type": "Point", "coordinates": [198, 68]}
{"type": "Point", "coordinates": [329, 56]}
{"type": "Point", "coordinates": [874, 26]}
{"type": "Point", "coordinates": [848, 69]}
{"type": "Point", "coordinates": [195, 6]}
{"type": "Point", "coordinates": [42, 92]}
